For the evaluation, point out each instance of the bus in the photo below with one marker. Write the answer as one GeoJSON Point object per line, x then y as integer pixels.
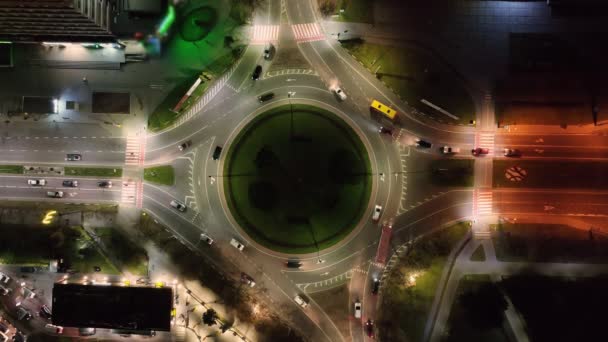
{"type": "Point", "coordinates": [384, 109]}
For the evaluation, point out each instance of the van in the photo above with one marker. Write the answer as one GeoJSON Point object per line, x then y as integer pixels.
{"type": "Point", "coordinates": [55, 194]}
{"type": "Point", "coordinates": [237, 244]}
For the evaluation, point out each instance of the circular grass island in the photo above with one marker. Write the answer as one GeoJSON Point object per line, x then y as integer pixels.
{"type": "Point", "coordinates": [297, 179]}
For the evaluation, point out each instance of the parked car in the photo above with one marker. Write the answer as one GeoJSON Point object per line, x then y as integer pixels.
{"type": "Point", "coordinates": [237, 244]}
{"type": "Point", "coordinates": [178, 205]}
{"type": "Point", "coordinates": [217, 152]}
{"type": "Point", "coordinates": [375, 286]}
{"type": "Point", "coordinates": [184, 145]}
{"type": "Point", "coordinates": [19, 337]}
{"type": "Point", "coordinates": [105, 184]}
{"type": "Point", "coordinates": [70, 183]}
{"type": "Point", "coordinates": [4, 290]}
{"type": "Point", "coordinates": [377, 212]}
{"type": "Point", "coordinates": [480, 151]}
{"type": "Point", "coordinates": [246, 279]}
{"type": "Point", "coordinates": [45, 312]}
{"type": "Point", "coordinates": [423, 143]}
{"type": "Point", "coordinates": [300, 301]}
{"type": "Point", "coordinates": [27, 269]}
{"type": "Point", "coordinates": [266, 97]}
{"type": "Point", "coordinates": [36, 182]}
{"type": "Point", "coordinates": [23, 314]}
{"type": "Point", "coordinates": [357, 309]}
{"type": "Point", "coordinates": [4, 278]}
{"type": "Point", "coordinates": [385, 130]}
{"type": "Point", "coordinates": [3, 337]}
{"type": "Point", "coordinates": [206, 238]}
{"type": "Point", "coordinates": [450, 150]}
{"type": "Point", "coordinates": [73, 157]}
{"type": "Point", "coordinates": [54, 328]}
{"type": "Point", "coordinates": [268, 51]}
{"type": "Point", "coordinates": [256, 73]}
{"type": "Point", "coordinates": [369, 328]}
{"type": "Point", "coordinates": [340, 93]}
{"type": "Point", "coordinates": [294, 264]}
{"type": "Point", "coordinates": [509, 152]}
{"type": "Point", "coordinates": [3, 328]}
{"type": "Point", "coordinates": [55, 194]}
{"type": "Point", "coordinates": [87, 331]}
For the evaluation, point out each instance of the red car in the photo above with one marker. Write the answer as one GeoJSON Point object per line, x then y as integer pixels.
{"type": "Point", "coordinates": [369, 328]}
{"type": "Point", "coordinates": [480, 151]}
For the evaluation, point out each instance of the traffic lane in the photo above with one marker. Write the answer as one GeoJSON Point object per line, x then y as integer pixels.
{"type": "Point", "coordinates": [550, 202]}
{"type": "Point", "coordinates": [164, 197]}
{"type": "Point", "coordinates": [563, 140]}
{"type": "Point", "coordinates": [89, 194]}
{"type": "Point", "coordinates": [69, 144]}
{"type": "Point", "coordinates": [45, 157]}
{"type": "Point", "coordinates": [299, 12]}
{"type": "Point", "coordinates": [557, 152]}
{"type": "Point", "coordinates": [39, 129]}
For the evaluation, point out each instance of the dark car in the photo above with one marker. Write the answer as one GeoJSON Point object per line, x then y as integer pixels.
{"type": "Point", "coordinates": [265, 97]}
{"type": "Point", "coordinates": [423, 143]}
{"type": "Point", "coordinates": [45, 312]}
{"type": "Point", "coordinates": [294, 264]}
{"type": "Point", "coordinates": [385, 130]}
{"type": "Point", "coordinates": [87, 331]}
{"type": "Point", "coordinates": [73, 157]}
{"type": "Point", "coordinates": [369, 328]}
{"type": "Point", "coordinates": [70, 183]}
{"type": "Point", "coordinates": [105, 184]}
{"type": "Point", "coordinates": [185, 145]}
{"type": "Point", "coordinates": [217, 152]}
{"type": "Point", "coordinates": [375, 286]}
{"type": "Point", "coordinates": [19, 337]}
{"type": "Point", "coordinates": [27, 269]}
{"type": "Point", "coordinates": [480, 151]}
{"type": "Point", "coordinates": [3, 328]}
{"type": "Point", "coordinates": [256, 73]}
{"type": "Point", "coordinates": [268, 51]}
{"type": "Point", "coordinates": [510, 152]}
{"type": "Point", "coordinates": [96, 268]}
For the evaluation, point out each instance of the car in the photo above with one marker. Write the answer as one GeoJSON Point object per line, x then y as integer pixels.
{"type": "Point", "coordinates": [3, 328]}
{"type": "Point", "coordinates": [294, 264]}
{"type": "Point", "coordinates": [480, 151]}
{"type": "Point", "coordinates": [357, 309]}
{"type": "Point", "coordinates": [236, 244]}
{"type": "Point", "coordinates": [268, 51]}
{"type": "Point", "coordinates": [423, 143]}
{"type": "Point", "coordinates": [4, 290]}
{"type": "Point", "coordinates": [36, 182]}
{"type": "Point", "coordinates": [87, 331]}
{"type": "Point", "coordinates": [256, 73]}
{"type": "Point", "coordinates": [3, 337]}
{"type": "Point", "coordinates": [509, 152]}
{"type": "Point", "coordinates": [178, 205]}
{"type": "Point", "coordinates": [54, 328]}
{"type": "Point", "coordinates": [55, 194]}
{"type": "Point", "coordinates": [385, 130]}
{"type": "Point", "coordinates": [73, 157]}
{"type": "Point", "coordinates": [4, 278]}
{"type": "Point", "coordinates": [206, 238]}
{"type": "Point", "coordinates": [266, 97]}
{"type": "Point", "coordinates": [340, 93]}
{"type": "Point", "coordinates": [96, 269]}
{"type": "Point", "coordinates": [377, 212]}
{"type": "Point", "coordinates": [450, 150]}
{"type": "Point", "coordinates": [27, 269]}
{"type": "Point", "coordinates": [105, 184]}
{"type": "Point", "coordinates": [369, 328]}
{"type": "Point", "coordinates": [375, 286]}
{"type": "Point", "coordinates": [70, 183]}
{"type": "Point", "coordinates": [19, 337]}
{"type": "Point", "coordinates": [45, 312]}
{"type": "Point", "coordinates": [246, 279]}
{"type": "Point", "coordinates": [217, 152]}
{"type": "Point", "coordinates": [300, 301]}
{"type": "Point", "coordinates": [184, 145]}
{"type": "Point", "coordinates": [23, 314]}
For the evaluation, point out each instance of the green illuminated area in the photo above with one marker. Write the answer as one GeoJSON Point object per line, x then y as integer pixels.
{"type": "Point", "coordinates": [297, 180]}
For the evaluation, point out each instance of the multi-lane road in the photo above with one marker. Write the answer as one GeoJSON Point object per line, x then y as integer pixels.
{"type": "Point", "coordinates": [216, 123]}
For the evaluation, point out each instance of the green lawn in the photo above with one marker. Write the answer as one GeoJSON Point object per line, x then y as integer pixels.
{"type": "Point", "coordinates": [548, 243]}
{"type": "Point", "coordinates": [93, 171]}
{"type": "Point", "coordinates": [17, 169]}
{"type": "Point", "coordinates": [405, 306]}
{"type": "Point", "coordinates": [452, 172]}
{"type": "Point", "coordinates": [415, 74]}
{"type": "Point", "coordinates": [479, 254]}
{"type": "Point", "coordinates": [160, 175]}
{"type": "Point", "coordinates": [478, 312]}
{"type": "Point", "coordinates": [359, 11]}
{"type": "Point", "coordinates": [294, 194]}
{"type": "Point", "coordinates": [552, 174]}
{"type": "Point", "coordinates": [130, 256]}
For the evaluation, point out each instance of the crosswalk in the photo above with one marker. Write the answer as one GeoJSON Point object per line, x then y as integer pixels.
{"type": "Point", "coordinates": [129, 192]}
{"type": "Point", "coordinates": [483, 202]}
{"type": "Point", "coordinates": [485, 140]}
{"type": "Point", "coordinates": [307, 32]}
{"type": "Point", "coordinates": [135, 150]}
{"type": "Point", "coordinates": [261, 34]}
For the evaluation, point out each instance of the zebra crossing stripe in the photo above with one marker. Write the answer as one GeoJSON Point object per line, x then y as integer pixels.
{"type": "Point", "coordinates": [307, 32]}
{"type": "Point", "coordinates": [261, 34]}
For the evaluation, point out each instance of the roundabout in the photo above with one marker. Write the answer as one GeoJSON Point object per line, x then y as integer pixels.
{"type": "Point", "coordinates": [297, 179]}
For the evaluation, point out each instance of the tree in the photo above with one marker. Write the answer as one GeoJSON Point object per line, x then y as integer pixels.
{"type": "Point", "coordinates": [210, 317]}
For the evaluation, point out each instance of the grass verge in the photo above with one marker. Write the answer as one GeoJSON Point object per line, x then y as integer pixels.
{"type": "Point", "coordinates": [414, 74]}
{"type": "Point", "coordinates": [405, 304]}
{"type": "Point", "coordinates": [336, 305]}
{"type": "Point", "coordinates": [479, 254]}
{"type": "Point", "coordinates": [128, 255]}
{"type": "Point", "coordinates": [551, 174]}
{"type": "Point", "coordinates": [163, 174]}
{"type": "Point", "coordinates": [16, 169]}
{"type": "Point", "coordinates": [93, 171]}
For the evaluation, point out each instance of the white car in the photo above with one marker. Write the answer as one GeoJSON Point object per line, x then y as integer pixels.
{"type": "Point", "coordinates": [340, 93]}
{"type": "Point", "coordinates": [55, 329]}
{"type": "Point", "coordinates": [178, 205]}
{"type": "Point", "coordinates": [4, 278]}
{"type": "Point", "coordinates": [237, 244]}
{"type": "Point", "coordinates": [357, 309]}
{"type": "Point", "coordinates": [450, 150]}
{"type": "Point", "coordinates": [206, 238]}
{"type": "Point", "coordinates": [36, 182]}
{"type": "Point", "coordinates": [4, 291]}
{"type": "Point", "coordinates": [377, 212]}
{"type": "Point", "coordinates": [301, 302]}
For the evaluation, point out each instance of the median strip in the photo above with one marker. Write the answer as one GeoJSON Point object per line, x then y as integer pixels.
{"type": "Point", "coordinates": [93, 172]}
{"type": "Point", "coordinates": [16, 169]}
{"type": "Point", "coordinates": [163, 175]}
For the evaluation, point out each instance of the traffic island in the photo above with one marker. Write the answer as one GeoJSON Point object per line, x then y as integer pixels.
{"type": "Point", "coordinates": [297, 179]}
{"type": "Point", "coordinates": [163, 175]}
